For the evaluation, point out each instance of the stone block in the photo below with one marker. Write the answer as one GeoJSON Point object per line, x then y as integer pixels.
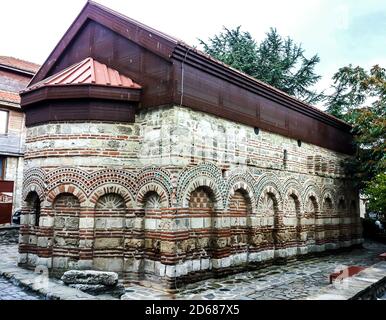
{"type": "Point", "coordinates": [197, 223]}
{"type": "Point", "coordinates": [86, 223]}
{"type": "Point", "coordinates": [90, 277]}
{"type": "Point", "coordinates": [196, 265]}
{"type": "Point", "coordinates": [106, 243]}
{"type": "Point", "coordinates": [205, 264]}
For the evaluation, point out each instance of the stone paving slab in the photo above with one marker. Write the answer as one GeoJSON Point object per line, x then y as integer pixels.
{"type": "Point", "coordinates": [297, 280]}
{"type": "Point", "coordinates": [294, 281]}
{"type": "Point", "coordinates": [10, 291]}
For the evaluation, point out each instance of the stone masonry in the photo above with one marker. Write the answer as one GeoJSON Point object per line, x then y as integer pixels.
{"type": "Point", "coordinates": [178, 195]}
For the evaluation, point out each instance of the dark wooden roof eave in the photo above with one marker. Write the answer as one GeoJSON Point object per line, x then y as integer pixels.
{"type": "Point", "coordinates": [190, 56]}
{"type": "Point", "coordinates": [78, 91]}
{"type": "Point", "coordinates": [172, 48]}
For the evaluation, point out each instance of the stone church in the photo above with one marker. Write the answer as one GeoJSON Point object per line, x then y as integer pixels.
{"type": "Point", "coordinates": [147, 157]}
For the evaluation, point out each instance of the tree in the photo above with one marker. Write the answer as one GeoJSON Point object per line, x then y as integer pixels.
{"type": "Point", "coordinates": [276, 61]}
{"type": "Point", "coordinates": [359, 98]}
{"type": "Point", "coordinates": [376, 193]}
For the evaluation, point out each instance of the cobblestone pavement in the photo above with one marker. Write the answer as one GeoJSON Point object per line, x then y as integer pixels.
{"type": "Point", "coordinates": [293, 281]}
{"type": "Point", "coordinates": [8, 290]}
{"type": "Point", "coordinates": [296, 280]}
{"type": "Point", "coordinates": [9, 236]}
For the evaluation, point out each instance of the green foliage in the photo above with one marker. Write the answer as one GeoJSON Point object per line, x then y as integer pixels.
{"type": "Point", "coordinates": [352, 87]}
{"type": "Point", "coordinates": [277, 61]}
{"type": "Point", "coordinates": [235, 48]}
{"type": "Point", "coordinates": [376, 192]}
{"type": "Point", "coordinates": [360, 99]}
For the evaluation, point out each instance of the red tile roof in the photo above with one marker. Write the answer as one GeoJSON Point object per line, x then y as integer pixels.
{"type": "Point", "coordinates": [19, 64]}
{"type": "Point", "coordinates": [88, 71]}
{"type": "Point", "coordinates": [7, 96]}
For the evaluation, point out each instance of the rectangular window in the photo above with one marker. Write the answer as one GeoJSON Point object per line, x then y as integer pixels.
{"type": "Point", "coordinates": [3, 122]}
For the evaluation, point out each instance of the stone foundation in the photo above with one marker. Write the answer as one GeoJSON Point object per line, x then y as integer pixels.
{"type": "Point", "coordinates": [179, 195]}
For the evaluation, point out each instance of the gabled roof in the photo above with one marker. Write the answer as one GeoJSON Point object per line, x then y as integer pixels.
{"type": "Point", "coordinates": [173, 73]}
{"type": "Point", "coordinates": [167, 47]}
{"type": "Point", "coordinates": [19, 65]}
{"type": "Point", "coordinates": [88, 71]}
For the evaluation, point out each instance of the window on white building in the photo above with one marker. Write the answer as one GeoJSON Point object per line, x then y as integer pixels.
{"type": "Point", "coordinates": [3, 122]}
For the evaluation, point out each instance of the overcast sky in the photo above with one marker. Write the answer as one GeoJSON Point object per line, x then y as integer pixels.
{"type": "Point", "coordinates": [340, 31]}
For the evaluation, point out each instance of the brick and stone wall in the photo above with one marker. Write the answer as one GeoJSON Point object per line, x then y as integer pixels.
{"type": "Point", "coordinates": [179, 194]}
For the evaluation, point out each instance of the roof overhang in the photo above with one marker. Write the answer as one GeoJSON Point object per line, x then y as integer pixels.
{"type": "Point", "coordinates": [87, 79]}
{"type": "Point", "coordinates": [247, 100]}
{"type": "Point", "coordinates": [169, 48]}
{"type": "Point", "coordinates": [80, 91]}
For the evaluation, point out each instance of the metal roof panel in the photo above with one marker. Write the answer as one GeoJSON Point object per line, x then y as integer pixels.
{"type": "Point", "coordinates": [88, 71]}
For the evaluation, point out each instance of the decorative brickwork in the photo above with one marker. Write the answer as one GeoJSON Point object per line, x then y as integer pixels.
{"type": "Point", "coordinates": [178, 195]}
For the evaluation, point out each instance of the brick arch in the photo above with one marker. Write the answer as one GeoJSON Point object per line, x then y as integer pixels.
{"type": "Point", "coordinates": [32, 187]}
{"type": "Point", "coordinates": [274, 194]}
{"type": "Point", "coordinates": [112, 188]}
{"type": "Point", "coordinates": [67, 188]}
{"type": "Point", "coordinates": [34, 180]}
{"type": "Point", "coordinates": [291, 184]}
{"type": "Point", "coordinates": [204, 174]}
{"type": "Point", "coordinates": [328, 200]}
{"type": "Point", "coordinates": [68, 176]}
{"type": "Point", "coordinates": [315, 202]}
{"type": "Point", "coordinates": [310, 189]}
{"type": "Point", "coordinates": [295, 195]}
{"type": "Point", "coordinates": [328, 193]}
{"type": "Point", "coordinates": [32, 206]}
{"type": "Point", "coordinates": [111, 176]}
{"type": "Point", "coordinates": [203, 182]}
{"type": "Point", "coordinates": [246, 189]}
{"type": "Point", "coordinates": [342, 205]}
{"type": "Point", "coordinates": [64, 193]}
{"type": "Point", "coordinates": [269, 180]}
{"type": "Point", "coordinates": [153, 187]}
{"type": "Point", "coordinates": [156, 176]}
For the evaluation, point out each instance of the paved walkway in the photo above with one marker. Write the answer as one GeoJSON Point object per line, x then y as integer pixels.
{"type": "Point", "coordinates": [296, 280]}
{"type": "Point", "coordinates": [9, 291]}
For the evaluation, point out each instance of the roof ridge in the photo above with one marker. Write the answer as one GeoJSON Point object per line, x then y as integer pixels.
{"type": "Point", "coordinates": [144, 26]}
